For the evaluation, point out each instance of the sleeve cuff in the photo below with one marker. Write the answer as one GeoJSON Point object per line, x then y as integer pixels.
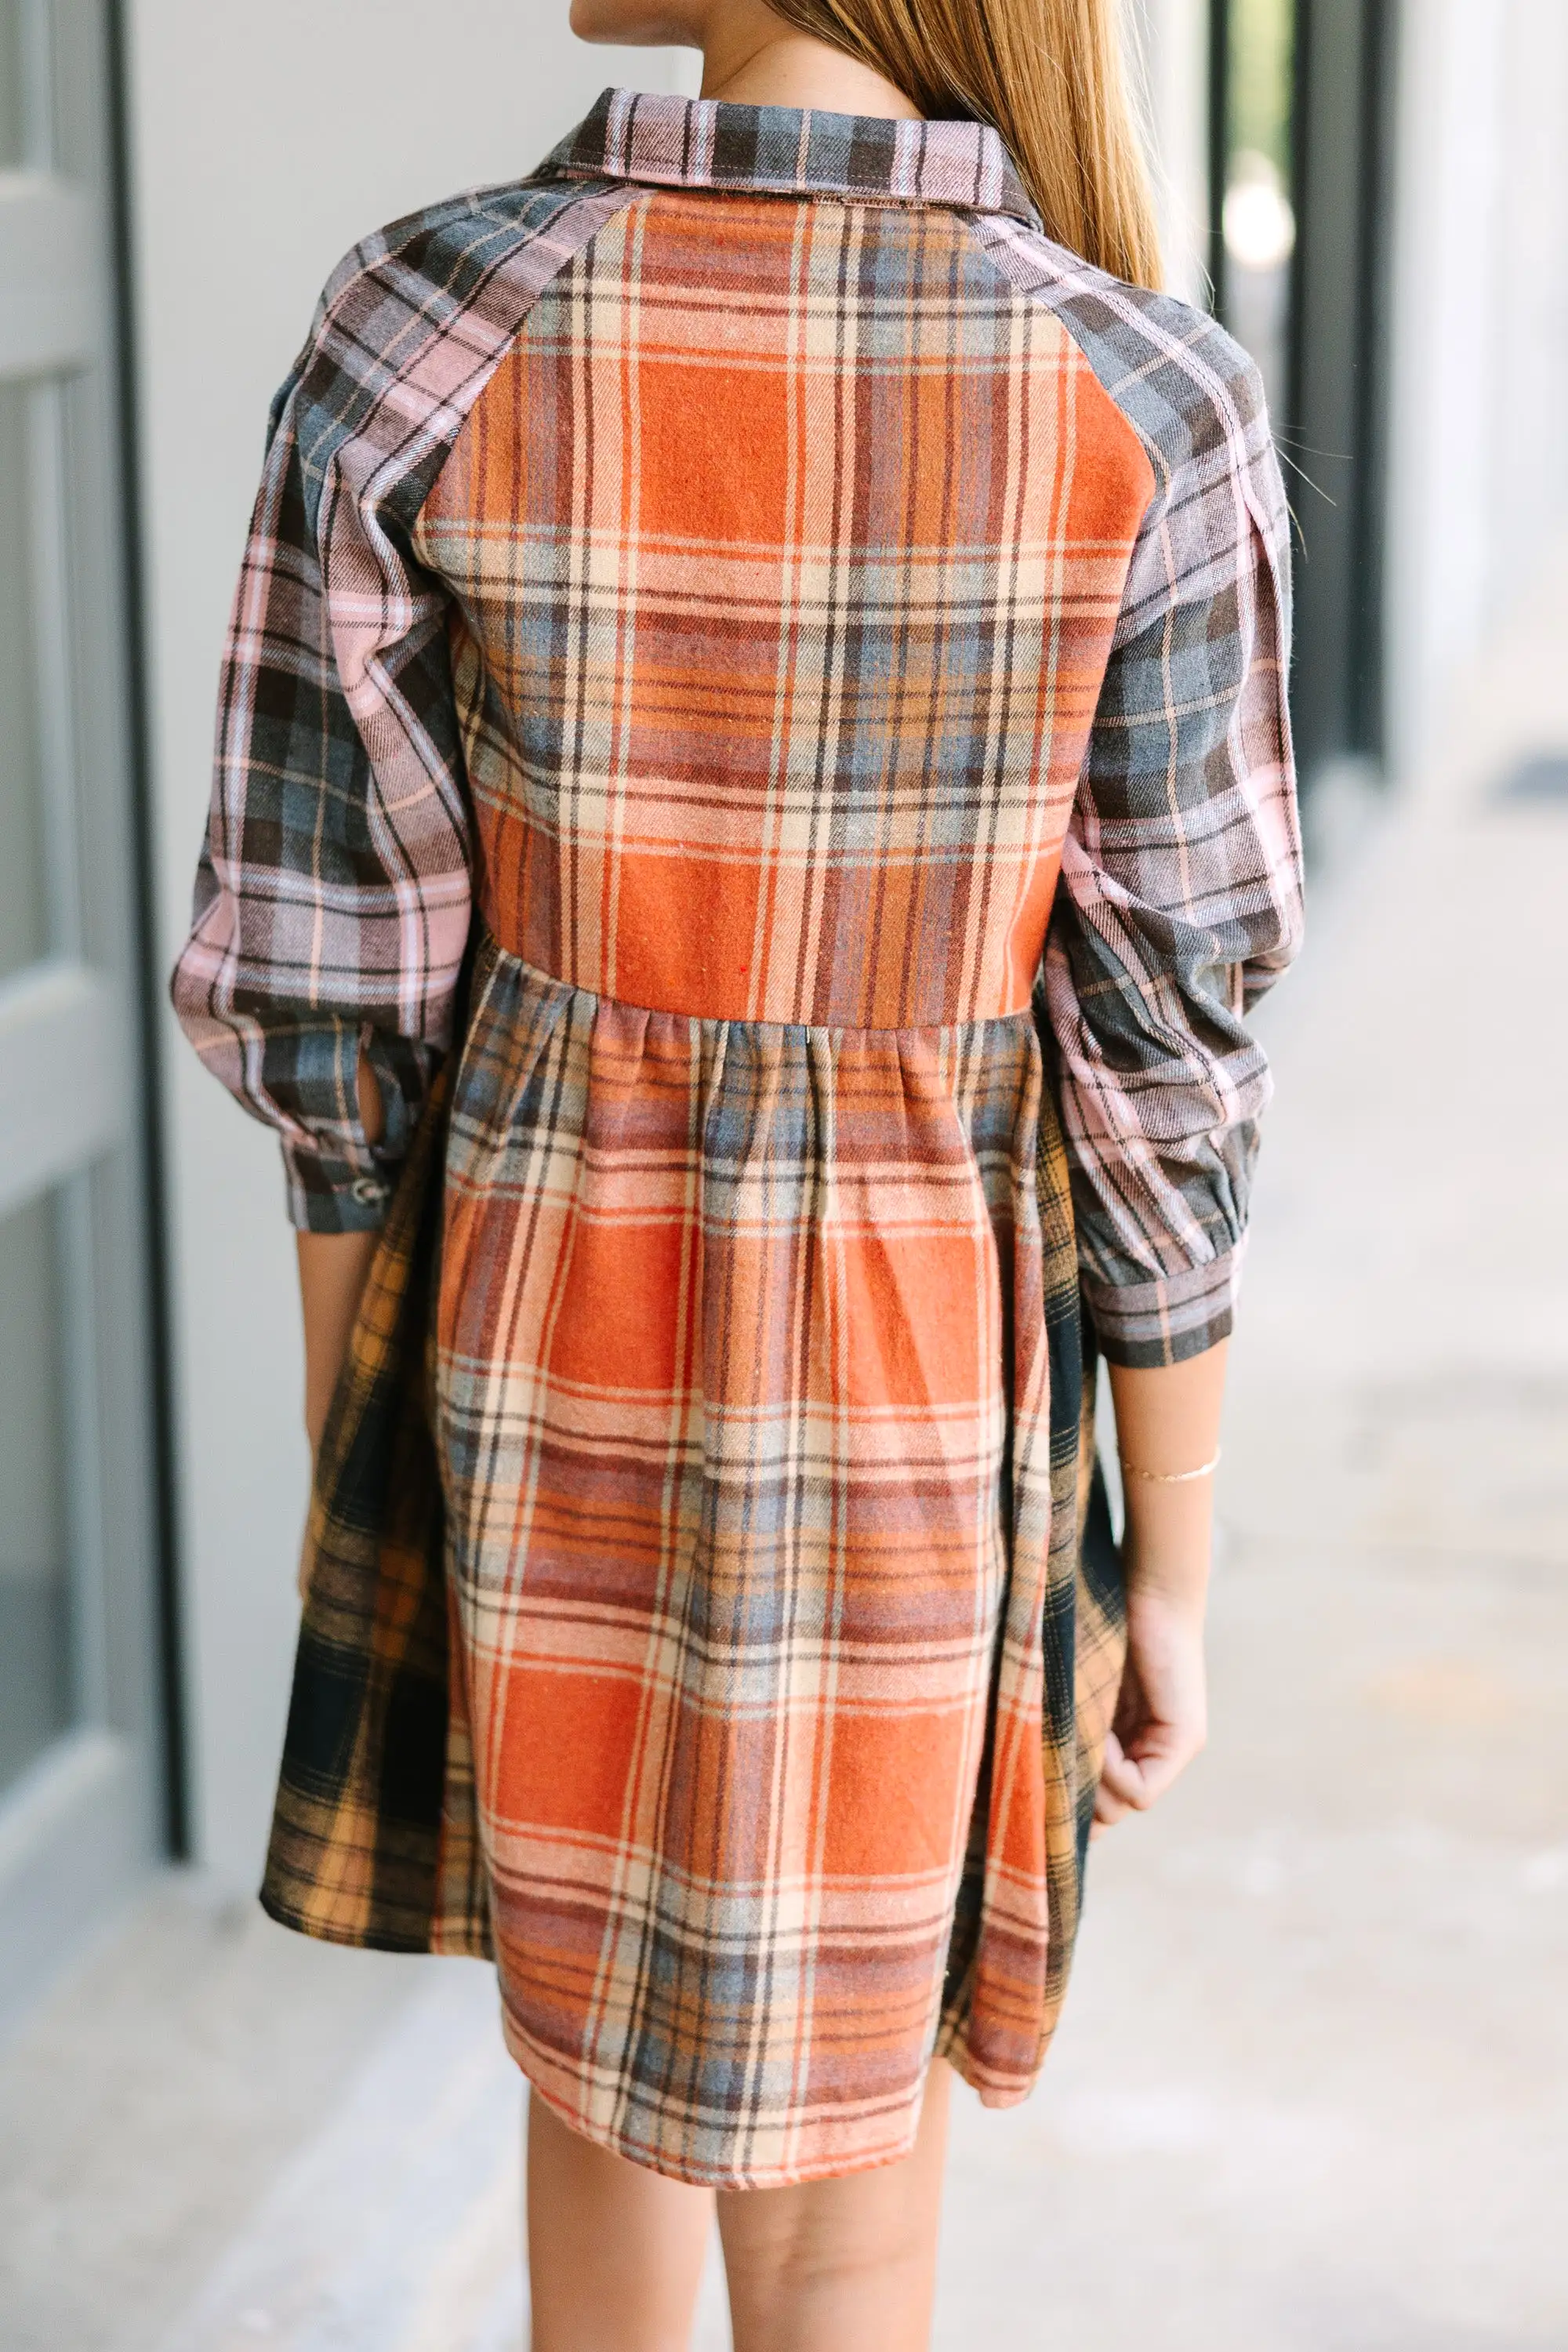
{"type": "Point", "coordinates": [1145, 1325]}
{"type": "Point", "coordinates": [333, 1196]}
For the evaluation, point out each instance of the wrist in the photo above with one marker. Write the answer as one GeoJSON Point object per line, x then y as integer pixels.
{"type": "Point", "coordinates": [1166, 1559]}
{"type": "Point", "coordinates": [1134, 1470]}
{"type": "Point", "coordinates": [1177, 1597]}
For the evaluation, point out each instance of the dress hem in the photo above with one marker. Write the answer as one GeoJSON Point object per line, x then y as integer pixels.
{"type": "Point", "coordinates": [696, 2174]}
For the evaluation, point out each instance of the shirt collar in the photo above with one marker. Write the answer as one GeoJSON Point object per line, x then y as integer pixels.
{"type": "Point", "coordinates": [704, 142]}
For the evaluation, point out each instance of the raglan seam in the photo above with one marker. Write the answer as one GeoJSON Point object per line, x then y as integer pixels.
{"type": "Point", "coordinates": [1160, 463]}
{"type": "Point", "coordinates": [1180, 352]}
{"type": "Point", "coordinates": [631, 194]}
{"type": "Point", "coordinates": [469, 395]}
{"type": "Point", "coordinates": [1210, 1279]}
{"type": "Point", "coordinates": [380, 512]}
{"type": "Point", "coordinates": [488, 203]}
{"type": "Point", "coordinates": [420, 443]}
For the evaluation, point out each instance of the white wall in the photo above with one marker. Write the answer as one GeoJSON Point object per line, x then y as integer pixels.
{"type": "Point", "coordinates": [1173, 38]}
{"type": "Point", "coordinates": [265, 141]}
{"type": "Point", "coordinates": [1480, 458]}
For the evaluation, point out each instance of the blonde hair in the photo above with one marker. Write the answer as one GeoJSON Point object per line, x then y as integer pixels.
{"type": "Point", "coordinates": [1049, 78]}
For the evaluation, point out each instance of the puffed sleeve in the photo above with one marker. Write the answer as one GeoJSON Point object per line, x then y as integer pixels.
{"type": "Point", "coordinates": [1181, 888]}
{"type": "Point", "coordinates": [332, 893]}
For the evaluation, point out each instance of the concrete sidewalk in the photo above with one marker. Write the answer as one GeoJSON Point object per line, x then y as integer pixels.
{"type": "Point", "coordinates": [1311, 2094]}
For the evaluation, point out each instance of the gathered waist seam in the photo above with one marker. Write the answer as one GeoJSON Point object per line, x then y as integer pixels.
{"type": "Point", "coordinates": [500, 954]}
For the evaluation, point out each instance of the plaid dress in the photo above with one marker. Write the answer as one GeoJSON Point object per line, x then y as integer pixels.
{"type": "Point", "coordinates": [757, 698]}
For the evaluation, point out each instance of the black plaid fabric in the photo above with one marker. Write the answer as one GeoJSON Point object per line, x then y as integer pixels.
{"type": "Point", "coordinates": [373, 1838]}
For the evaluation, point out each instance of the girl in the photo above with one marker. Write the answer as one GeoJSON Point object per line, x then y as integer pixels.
{"type": "Point", "coordinates": [753, 744]}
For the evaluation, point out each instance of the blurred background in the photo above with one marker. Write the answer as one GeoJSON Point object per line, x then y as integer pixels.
{"type": "Point", "coordinates": [1312, 2091]}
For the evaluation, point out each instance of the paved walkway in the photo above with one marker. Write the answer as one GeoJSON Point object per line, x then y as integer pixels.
{"type": "Point", "coordinates": [1311, 2094]}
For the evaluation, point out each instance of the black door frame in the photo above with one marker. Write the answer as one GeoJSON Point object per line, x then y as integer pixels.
{"type": "Point", "coordinates": [1333, 434]}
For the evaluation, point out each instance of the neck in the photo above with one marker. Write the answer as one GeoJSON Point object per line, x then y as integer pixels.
{"type": "Point", "coordinates": [753, 59]}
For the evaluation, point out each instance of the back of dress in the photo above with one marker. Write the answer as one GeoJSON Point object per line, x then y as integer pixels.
{"type": "Point", "coordinates": [809, 636]}
{"type": "Point", "coordinates": [788, 540]}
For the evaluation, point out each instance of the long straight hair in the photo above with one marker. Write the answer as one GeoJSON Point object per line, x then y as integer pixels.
{"type": "Point", "coordinates": [1049, 75]}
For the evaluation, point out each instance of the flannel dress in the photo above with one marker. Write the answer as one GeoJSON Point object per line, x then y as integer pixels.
{"type": "Point", "coordinates": [757, 698]}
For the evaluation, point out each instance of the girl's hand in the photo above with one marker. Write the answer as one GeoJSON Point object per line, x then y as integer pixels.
{"type": "Point", "coordinates": [1161, 1714]}
{"type": "Point", "coordinates": [1167, 1427]}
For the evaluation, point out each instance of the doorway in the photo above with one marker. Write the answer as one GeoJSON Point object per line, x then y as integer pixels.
{"type": "Point", "coordinates": [1299, 141]}
{"type": "Point", "coordinates": [81, 1714]}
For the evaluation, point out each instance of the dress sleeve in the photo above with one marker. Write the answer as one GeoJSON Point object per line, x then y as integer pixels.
{"type": "Point", "coordinates": [332, 893]}
{"type": "Point", "coordinates": [1181, 895]}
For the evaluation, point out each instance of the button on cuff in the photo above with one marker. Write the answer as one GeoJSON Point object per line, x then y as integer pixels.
{"type": "Point", "coordinates": [327, 1194]}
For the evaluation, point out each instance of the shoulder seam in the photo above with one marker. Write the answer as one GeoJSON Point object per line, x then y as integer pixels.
{"type": "Point", "coordinates": [1209, 382]}
{"type": "Point", "coordinates": [1159, 463]}
{"type": "Point", "coordinates": [1184, 350]}
{"type": "Point", "coordinates": [407, 329]}
{"type": "Point", "coordinates": [482, 206]}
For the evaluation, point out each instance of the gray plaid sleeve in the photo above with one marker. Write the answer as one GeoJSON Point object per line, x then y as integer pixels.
{"type": "Point", "coordinates": [313, 893]}
{"type": "Point", "coordinates": [333, 895]}
{"type": "Point", "coordinates": [1181, 889]}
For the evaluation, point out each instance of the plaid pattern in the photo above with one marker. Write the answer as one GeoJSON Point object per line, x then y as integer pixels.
{"type": "Point", "coordinates": [333, 895]}
{"type": "Point", "coordinates": [334, 890]}
{"type": "Point", "coordinates": [374, 1839]}
{"type": "Point", "coordinates": [777, 150]}
{"type": "Point", "coordinates": [747, 630]}
{"type": "Point", "coordinates": [786, 729]}
{"type": "Point", "coordinates": [754, 1565]}
{"type": "Point", "coordinates": [1181, 870]}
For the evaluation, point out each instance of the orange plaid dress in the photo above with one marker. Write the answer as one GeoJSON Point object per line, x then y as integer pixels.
{"type": "Point", "coordinates": [733, 576]}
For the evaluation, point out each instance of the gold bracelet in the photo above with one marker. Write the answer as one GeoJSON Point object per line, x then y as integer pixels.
{"type": "Point", "coordinates": [1172, 1477]}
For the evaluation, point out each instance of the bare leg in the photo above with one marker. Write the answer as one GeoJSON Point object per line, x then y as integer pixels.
{"type": "Point", "coordinates": [838, 2265]}
{"type": "Point", "coordinates": [614, 2252]}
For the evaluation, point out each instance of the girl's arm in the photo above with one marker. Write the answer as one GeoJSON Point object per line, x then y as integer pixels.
{"type": "Point", "coordinates": [1179, 902]}
{"type": "Point", "coordinates": [1167, 1425]}
{"type": "Point", "coordinates": [332, 1272]}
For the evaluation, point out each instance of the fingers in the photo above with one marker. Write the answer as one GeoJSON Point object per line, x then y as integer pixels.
{"type": "Point", "coordinates": [1136, 1774]}
{"type": "Point", "coordinates": [1109, 1805]}
{"type": "Point", "coordinates": [1122, 1775]}
{"type": "Point", "coordinates": [1148, 1776]}
{"type": "Point", "coordinates": [1153, 1760]}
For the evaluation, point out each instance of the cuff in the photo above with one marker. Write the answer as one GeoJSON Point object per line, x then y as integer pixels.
{"type": "Point", "coordinates": [333, 1196]}
{"type": "Point", "coordinates": [1147, 1324]}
